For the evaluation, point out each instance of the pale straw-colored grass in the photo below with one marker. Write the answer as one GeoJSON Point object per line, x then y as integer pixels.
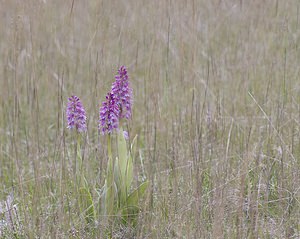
{"type": "Point", "coordinates": [216, 108]}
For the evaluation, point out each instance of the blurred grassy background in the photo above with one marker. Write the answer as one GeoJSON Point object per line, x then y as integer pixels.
{"type": "Point", "coordinates": [216, 109]}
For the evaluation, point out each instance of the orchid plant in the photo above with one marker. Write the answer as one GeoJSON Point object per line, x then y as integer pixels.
{"type": "Point", "coordinates": [118, 197]}
{"type": "Point", "coordinates": [76, 118]}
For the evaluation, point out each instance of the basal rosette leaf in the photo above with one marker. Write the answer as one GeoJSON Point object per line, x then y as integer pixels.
{"type": "Point", "coordinates": [120, 184]}
{"type": "Point", "coordinates": [135, 195]}
{"type": "Point", "coordinates": [110, 183]}
{"type": "Point", "coordinates": [129, 173]}
{"type": "Point", "coordinates": [124, 169]}
{"type": "Point", "coordinates": [87, 205]}
{"type": "Point", "coordinates": [133, 147]}
{"type": "Point", "coordinates": [132, 208]}
{"type": "Point", "coordinates": [122, 153]}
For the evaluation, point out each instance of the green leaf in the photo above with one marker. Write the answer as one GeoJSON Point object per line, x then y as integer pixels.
{"type": "Point", "coordinates": [133, 147]}
{"type": "Point", "coordinates": [129, 173]}
{"type": "Point", "coordinates": [119, 183]}
{"type": "Point", "coordinates": [122, 153]}
{"type": "Point", "coordinates": [131, 210]}
{"type": "Point", "coordinates": [87, 205]}
{"type": "Point", "coordinates": [117, 173]}
{"type": "Point", "coordinates": [109, 190]}
{"type": "Point", "coordinates": [133, 198]}
{"type": "Point", "coordinates": [130, 157]}
{"type": "Point", "coordinates": [124, 170]}
{"type": "Point", "coordinates": [102, 198]}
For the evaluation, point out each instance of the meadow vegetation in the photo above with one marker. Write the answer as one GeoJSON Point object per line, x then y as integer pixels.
{"type": "Point", "coordinates": [216, 109]}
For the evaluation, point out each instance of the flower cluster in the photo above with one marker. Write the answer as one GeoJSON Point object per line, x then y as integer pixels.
{"type": "Point", "coordinates": [109, 114]}
{"type": "Point", "coordinates": [118, 103]}
{"type": "Point", "coordinates": [123, 92]}
{"type": "Point", "coordinates": [76, 114]}
{"type": "Point", "coordinates": [117, 106]}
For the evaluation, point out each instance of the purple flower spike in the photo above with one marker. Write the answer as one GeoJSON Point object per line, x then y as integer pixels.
{"type": "Point", "coordinates": [76, 114]}
{"type": "Point", "coordinates": [123, 93]}
{"type": "Point", "coordinates": [109, 114]}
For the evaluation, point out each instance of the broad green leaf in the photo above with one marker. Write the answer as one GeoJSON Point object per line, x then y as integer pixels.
{"type": "Point", "coordinates": [124, 172]}
{"type": "Point", "coordinates": [117, 173]}
{"type": "Point", "coordinates": [131, 210]}
{"type": "Point", "coordinates": [87, 205]}
{"type": "Point", "coordinates": [133, 198]}
{"type": "Point", "coordinates": [129, 214]}
{"type": "Point", "coordinates": [109, 198]}
{"type": "Point", "coordinates": [129, 173]}
{"type": "Point", "coordinates": [133, 147]}
{"type": "Point", "coordinates": [102, 198]}
{"type": "Point", "coordinates": [120, 184]}
{"type": "Point", "coordinates": [122, 153]}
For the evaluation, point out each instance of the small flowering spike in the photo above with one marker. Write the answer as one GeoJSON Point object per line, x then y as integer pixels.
{"type": "Point", "coordinates": [123, 93]}
{"type": "Point", "coordinates": [76, 114]}
{"type": "Point", "coordinates": [109, 114]}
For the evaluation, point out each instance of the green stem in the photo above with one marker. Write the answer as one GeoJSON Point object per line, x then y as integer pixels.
{"type": "Point", "coordinates": [109, 146]}
{"type": "Point", "coordinates": [86, 205]}
{"type": "Point", "coordinates": [109, 200]}
{"type": "Point", "coordinates": [79, 170]}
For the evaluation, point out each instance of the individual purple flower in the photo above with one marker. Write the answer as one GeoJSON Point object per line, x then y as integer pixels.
{"type": "Point", "coordinates": [126, 136]}
{"type": "Point", "coordinates": [123, 93]}
{"type": "Point", "coordinates": [109, 114]}
{"type": "Point", "coordinates": [76, 114]}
